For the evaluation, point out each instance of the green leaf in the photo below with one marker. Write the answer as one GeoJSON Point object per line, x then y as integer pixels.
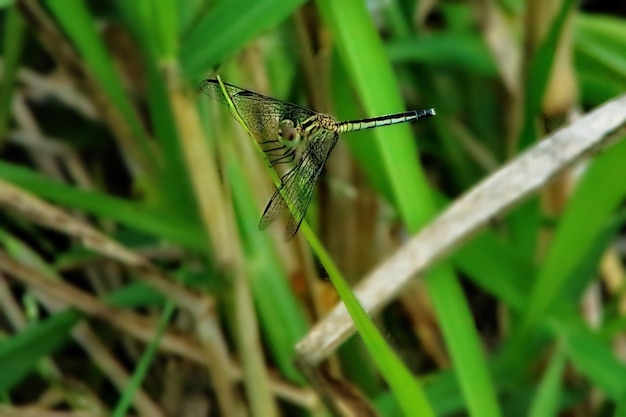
{"type": "Point", "coordinates": [539, 73]}
{"type": "Point", "coordinates": [546, 402]}
{"type": "Point", "coordinates": [620, 410]}
{"type": "Point", "coordinates": [599, 57]}
{"type": "Point", "coordinates": [144, 363]}
{"type": "Point", "coordinates": [228, 27]}
{"type": "Point", "coordinates": [394, 156]}
{"type": "Point", "coordinates": [80, 27]}
{"type": "Point", "coordinates": [134, 215]}
{"type": "Point", "coordinates": [154, 23]}
{"type": "Point", "coordinates": [584, 219]}
{"type": "Point", "coordinates": [594, 359]}
{"type": "Point", "coordinates": [446, 50]}
{"type": "Point", "coordinates": [22, 352]}
{"type": "Point", "coordinates": [11, 50]}
{"type": "Point", "coordinates": [281, 317]}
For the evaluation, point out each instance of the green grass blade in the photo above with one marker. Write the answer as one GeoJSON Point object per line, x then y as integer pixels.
{"type": "Point", "coordinates": [405, 387]}
{"type": "Point", "coordinates": [177, 183]}
{"type": "Point", "coordinates": [11, 50]}
{"type": "Point", "coordinates": [155, 26]}
{"type": "Point", "coordinates": [445, 51]}
{"type": "Point", "coordinates": [525, 220]}
{"type": "Point", "coordinates": [371, 75]}
{"type": "Point", "coordinates": [137, 15]}
{"type": "Point", "coordinates": [159, 52]}
{"type": "Point", "coordinates": [80, 27]}
{"type": "Point", "coordinates": [593, 358]}
{"type": "Point", "coordinates": [281, 317]}
{"type": "Point", "coordinates": [166, 225]}
{"type": "Point", "coordinates": [227, 28]}
{"type": "Point", "coordinates": [546, 402]}
{"type": "Point", "coordinates": [539, 73]}
{"type": "Point", "coordinates": [462, 341]}
{"type": "Point", "coordinates": [605, 31]}
{"type": "Point", "coordinates": [597, 196]}
{"type": "Point", "coordinates": [21, 353]}
{"type": "Point", "coordinates": [485, 260]}
{"type": "Point", "coordinates": [165, 21]}
{"type": "Point", "coordinates": [620, 410]}
{"type": "Point", "coordinates": [144, 363]}
{"type": "Point", "coordinates": [599, 57]}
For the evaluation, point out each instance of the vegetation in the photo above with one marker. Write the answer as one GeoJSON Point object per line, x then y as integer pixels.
{"type": "Point", "coordinates": [134, 278]}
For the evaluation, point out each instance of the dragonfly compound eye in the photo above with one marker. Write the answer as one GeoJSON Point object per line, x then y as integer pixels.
{"type": "Point", "coordinates": [289, 135]}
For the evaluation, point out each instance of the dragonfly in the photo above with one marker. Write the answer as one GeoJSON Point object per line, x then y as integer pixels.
{"type": "Point", "coordinates": [295, 135]}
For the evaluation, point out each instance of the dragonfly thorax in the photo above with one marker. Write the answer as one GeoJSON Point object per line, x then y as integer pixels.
{"type": "Point", "coordinates": [288, 133]}
{"type": "Point", "coordinates": [318, 121]}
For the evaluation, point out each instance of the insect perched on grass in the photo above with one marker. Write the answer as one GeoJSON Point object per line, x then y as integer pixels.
{"type": "Point", "coordinates": [289, 133]}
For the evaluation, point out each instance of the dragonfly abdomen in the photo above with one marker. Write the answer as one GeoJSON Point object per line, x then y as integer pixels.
{"type": "Point", "coordinates": [390, 119]}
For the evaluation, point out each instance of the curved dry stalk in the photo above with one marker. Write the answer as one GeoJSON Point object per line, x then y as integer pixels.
{"type": "Point", "coordinates": [138, 326]}
{"type": "Point", "coordinates": [143, 329]}
{"type": "Point", "coordinates": [492, 197]}
{"type": "Point", "coordinates": [48, 215]}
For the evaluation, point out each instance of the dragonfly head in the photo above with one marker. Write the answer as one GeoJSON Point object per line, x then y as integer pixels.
{"type": "Point", "coordinates": [289, 135]}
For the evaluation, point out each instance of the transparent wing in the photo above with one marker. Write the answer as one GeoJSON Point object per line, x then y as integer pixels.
{"type": "Point", "coordinates": [297, 185]}
{"type": "Point", "coordinates": [262, 115]}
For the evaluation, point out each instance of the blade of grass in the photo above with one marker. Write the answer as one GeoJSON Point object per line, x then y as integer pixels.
{"type": "Point", "coordinates": [405, 387]}
{"type": "Point", "coordinates": [598, 194]}
{"type": "Point", "coordinates": [245, 317]}
{"type": "Point", "coordinates": [525, 221]}
{"type": "Point", "coordinates": [179, 195]}
{"type": "Point", "coordinates": [227, 28]}
{"type": "Point", "coordinates": [371, 74]}
{"type": "Point", "coordinates": [165, 21]}
{"type": "Point", "coordinates": [445, 50]}
{"type": "Point", "coordinates": [11, 50]}
{"type": "Point", "coordinates": [79, 26]}
{"type": "Point", "coordinates": [155, 26]}
{"type": "Point", "coordinates": [138, 17]}
{"type": "Point", "coordinates": [593, 358]}
{"type": "Point", "coordinates": [599, 58]}
{"type": "Point", "coordinates": [620, 410]}
{"type": "Point", "coordinates": [546, 402]}
{"type": "Point", "coordinates": [159, 53]}
{"type": "Point", "coordinates": [539, 73]}
{"type": "Point", "coordinates": [584, 233]}
{"type": "Point", "coordinates": [606, 32]}
{"type": "Point", "coordinates": [281, 317]}
{"type": "Point", "coordinates": [134, 215]}
{"type": "Point", "coordinates": [21, 353]}
{"type": "Point", "coordinates": [121, 409]}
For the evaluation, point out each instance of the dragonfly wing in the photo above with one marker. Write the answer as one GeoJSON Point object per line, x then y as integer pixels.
{"type": "Point", "coordinates": [277, 204]}
{"type": "Point", "coordinates": [297, 185]}
{"type": "Point", "coordinates": [262, 116]}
